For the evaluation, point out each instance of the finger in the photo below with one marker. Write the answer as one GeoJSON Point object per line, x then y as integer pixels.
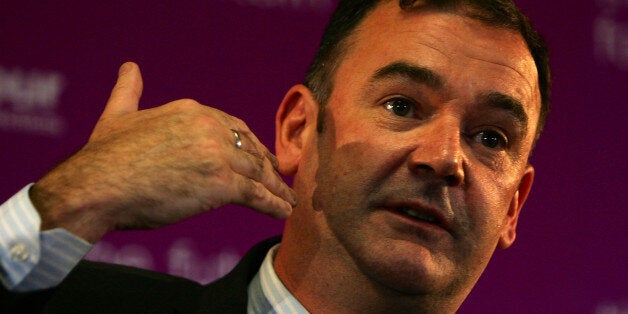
{"type": "Point", "coordinates": [125, 96]}
{"type": "Point", "coordinates": [255, 195]}
{"type": "Point", "coordinates": [258, 168]}
{"type": "Point", "coordinates": [252, 144]}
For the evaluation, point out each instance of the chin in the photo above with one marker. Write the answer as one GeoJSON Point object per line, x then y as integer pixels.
{"type": "Point", "coordinates": [406, 270]}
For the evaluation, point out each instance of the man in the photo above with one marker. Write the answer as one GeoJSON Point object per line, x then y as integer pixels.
{"type": "Point", "coordinates": [409, 148]}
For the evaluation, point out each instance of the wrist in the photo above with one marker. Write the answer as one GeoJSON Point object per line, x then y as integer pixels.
{"type": "Point", "coordinates": [59, 206]}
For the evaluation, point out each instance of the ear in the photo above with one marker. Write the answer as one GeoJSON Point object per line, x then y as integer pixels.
{"type": "Point", "coordinates": [294, 123]}
{"type": "Point", "coordinates": [509, 232]}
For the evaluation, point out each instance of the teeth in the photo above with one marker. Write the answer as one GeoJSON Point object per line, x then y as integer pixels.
{"type": "Point", "coordinates": [418, 215]}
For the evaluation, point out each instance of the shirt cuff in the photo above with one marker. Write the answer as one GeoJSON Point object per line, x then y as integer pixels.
{"type": "Point", "coordinates": [29, 259]}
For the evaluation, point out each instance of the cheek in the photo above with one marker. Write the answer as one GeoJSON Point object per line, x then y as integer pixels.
{"type": "Point", "coordinates": [488, 200]}
{"type": "Point", "coordinates": [353, 166]}
{"type": "Point", "coordinates": [354, 148]}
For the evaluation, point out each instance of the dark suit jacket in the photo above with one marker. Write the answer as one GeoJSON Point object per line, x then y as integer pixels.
{"type": "Point", "coordinates": [104, 288]}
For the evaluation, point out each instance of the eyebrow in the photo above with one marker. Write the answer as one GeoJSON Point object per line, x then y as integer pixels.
{"type": "Point", "coordinates": [416, 73]}
{"type": "Point", "coordinates": [507, 103]}
{"type": "Point", "coordinates": [434, 81]}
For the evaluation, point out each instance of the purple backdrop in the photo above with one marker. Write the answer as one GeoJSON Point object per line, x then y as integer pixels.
{"type": "Point", "coordinates": [58, 62]}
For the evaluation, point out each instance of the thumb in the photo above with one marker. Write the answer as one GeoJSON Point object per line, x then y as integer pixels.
{"type": "Point", "coordinates": [125, 96]}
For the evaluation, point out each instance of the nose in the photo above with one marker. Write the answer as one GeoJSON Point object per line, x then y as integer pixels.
{"type": "Point", "coordinates": [438, 153]}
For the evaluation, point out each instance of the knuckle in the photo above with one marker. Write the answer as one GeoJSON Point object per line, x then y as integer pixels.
{"type": "Point", "coordinates": [188, 102]}
{"type": "Point", "coordinates": [255, 172]}
{"type": "Point", "coordinates": [259, 158]}
{"type": "Point", "coordinates": [241, 126]}
{"type": "Point", "coordinates": [238, 121]}
{"type": "Point", "coordinates": [203, 123]}
{"type": "Point", "coordinates": [258, 172]}
{"type": "Point", "coordinates": [258, 169]}
{"type": "Point", "coordinates": [254, 192]}
{"type": "Point", "coordinates": [183, 105]}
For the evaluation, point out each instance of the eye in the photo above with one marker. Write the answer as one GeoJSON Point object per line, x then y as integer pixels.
{"type": "Point", "coordinates": [401, 107]}
{"type": "Point", "coordinates": [491, 139]}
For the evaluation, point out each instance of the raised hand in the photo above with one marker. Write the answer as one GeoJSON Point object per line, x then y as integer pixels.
{"type": "Point", "coordinates": [148, 168]}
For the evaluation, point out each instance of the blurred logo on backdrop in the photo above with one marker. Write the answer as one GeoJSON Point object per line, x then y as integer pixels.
{"type": "Point", "coordinates": [610, 32]}
{"type": "Point", "coordinates": [28, 101]}
{"type": "Point", "coordinates": [612, 307]}
{"type": "Point", "coordinates": [182, 259]}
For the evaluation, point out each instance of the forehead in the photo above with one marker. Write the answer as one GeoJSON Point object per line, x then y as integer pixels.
{"type": "Point", "coordinates": [466, 52]}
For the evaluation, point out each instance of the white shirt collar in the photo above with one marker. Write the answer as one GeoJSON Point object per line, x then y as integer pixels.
{"type": "Point", "coordinates": [267, 294]}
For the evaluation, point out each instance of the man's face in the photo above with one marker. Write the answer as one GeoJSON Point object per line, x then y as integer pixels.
{"type": "Point", "coordinates": [425, 146]}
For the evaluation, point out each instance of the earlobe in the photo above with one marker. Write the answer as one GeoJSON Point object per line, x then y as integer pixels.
{"type": "Point", "coordinates": [509, 231]}
{"type": "Point", "coordinates": [293, 123]}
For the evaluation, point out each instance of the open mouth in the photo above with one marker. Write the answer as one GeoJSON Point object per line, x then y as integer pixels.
{"type": "Point", "coordinates": [417, 215]}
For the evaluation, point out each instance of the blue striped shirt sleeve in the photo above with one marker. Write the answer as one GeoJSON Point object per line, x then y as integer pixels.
{"type": "Point", "coordinates": [29, 259]}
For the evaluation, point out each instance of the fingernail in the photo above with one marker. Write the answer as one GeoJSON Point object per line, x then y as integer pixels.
{"type": "Point", "coordinates": [124, 69]}
{"type": "Point", "coordinates": [288, 212]}
{"type": "Point", "coordinates": [293, 199]}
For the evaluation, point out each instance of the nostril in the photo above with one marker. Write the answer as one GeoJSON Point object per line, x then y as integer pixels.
{"type": "Point", "coordinates": [424, 167]}
{"type": "Point", "coordinates": [452, 180]}
{"type": "Point", "coordinates": [449, 177]}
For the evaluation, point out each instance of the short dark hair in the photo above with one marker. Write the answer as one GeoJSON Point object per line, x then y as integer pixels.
{"type": "Point", "coordinates": [497, 13]}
